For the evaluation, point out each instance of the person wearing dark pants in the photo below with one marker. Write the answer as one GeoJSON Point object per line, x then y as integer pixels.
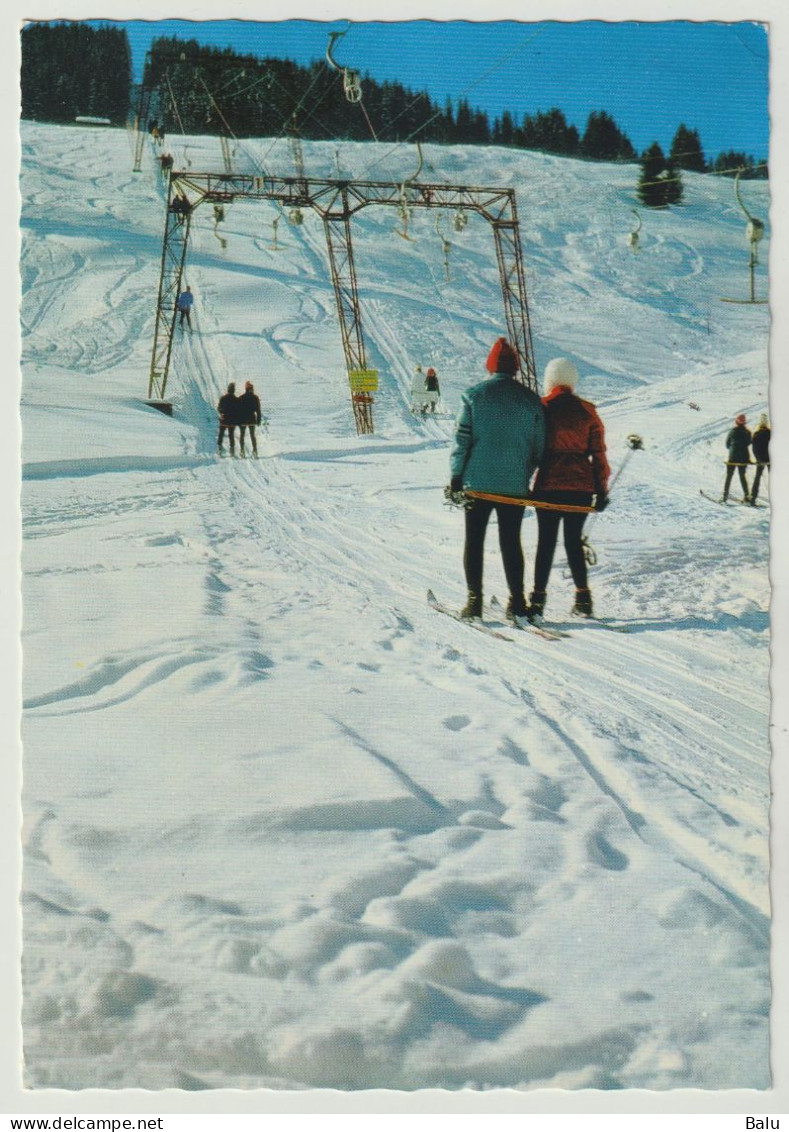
{"type": "Point", "coordinates": [572, 472]}
{"type": "Point", "coordinates": [548, 523]}
{"type": "Point", "coordinates": [731, 468]}
{"type": "Point", "coordinates": [760, 446]}
{"type": "Point", "coordinates": [226, 409]}
{"type": "Point", "coordinates": [498, 442]}
{"type": "Point", "coordinates": [248, 415]}
{"type": "Point", "coordinates": [184, 307]}
{"type": "Point", "coordinates": [509, 518]}
{"type": "Point", "coordinates": [738, 441]}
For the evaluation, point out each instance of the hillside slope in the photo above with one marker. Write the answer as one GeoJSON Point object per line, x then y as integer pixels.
{"type": "Point", "coordinates": [285, 826]}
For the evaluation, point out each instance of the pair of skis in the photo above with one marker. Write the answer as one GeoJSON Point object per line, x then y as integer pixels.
{"type": "Point", "coordinates": [521, 626]}
{"type": "Point", "coordinates": [724, 502]}
{"type": "Point", "coordinates": [490, 630]}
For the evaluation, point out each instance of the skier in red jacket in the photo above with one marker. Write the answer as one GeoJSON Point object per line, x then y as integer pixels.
{"type": "Point", "coordinates": [572, 471]}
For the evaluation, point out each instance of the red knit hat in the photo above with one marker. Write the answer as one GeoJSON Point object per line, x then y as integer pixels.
{"type": "Point", "coordinates": [740, 419]}
{"type": "Point", "coordinates": [502, 358]}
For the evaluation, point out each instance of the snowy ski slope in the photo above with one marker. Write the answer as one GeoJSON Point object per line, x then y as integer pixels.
{"type": "Point", "coordinates": [286, 827]}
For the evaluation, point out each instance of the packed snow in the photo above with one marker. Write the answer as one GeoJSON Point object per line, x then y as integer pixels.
{"type": "Point", "coordinates": [286, 827]}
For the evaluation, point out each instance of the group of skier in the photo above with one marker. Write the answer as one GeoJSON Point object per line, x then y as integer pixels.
{"type": "Point", "coordinates": [738, 441]}
{"type": "Point", "coordinates": [156, 130]}
{"type": "Point", "coordinates": [242, 413]}
{"type": "Point", "coordinates": [425, 391]}
{"type": "Point", "coordinates": [180, 204]}
{"type": "Point", "coordinates": [504, 434]}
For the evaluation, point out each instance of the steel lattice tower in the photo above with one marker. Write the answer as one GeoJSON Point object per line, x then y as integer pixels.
{"type": "Point", "coordinates": [336, 201]}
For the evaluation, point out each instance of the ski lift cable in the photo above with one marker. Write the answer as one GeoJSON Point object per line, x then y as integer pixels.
{"type": "Point", "coordinates": [367, 118]}
{"type": "Point", "coordinates": [251, 86]}
{"type": "Point", "coordinates": [687, 153]}
{"type": "Point", "coordinates": [239, 144]}
{"type": "Point", "coordinates": [710, 173]}
{"type": "Point", "coordinates": [216, 107]}
{"type": "Point", "coordinates": [738, 169]}
{"type": "Point", "coordinates": [174, 104]}
{"type": "Point", "coordinates": [486, 74]}
{"type": "Point", "coordinates": [298, 107]}
{"type": "Point", "coordinates": [438, 288]}
{"type": "Point", "coordinates": [234, 79]}
{"type": "Point", "coordinates": [462, 94]}
{"type": "Point", "coordinates": [704, 173]}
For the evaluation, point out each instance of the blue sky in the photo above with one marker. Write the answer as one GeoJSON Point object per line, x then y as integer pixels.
{"type": "Point", "coordinates": [711, 76]}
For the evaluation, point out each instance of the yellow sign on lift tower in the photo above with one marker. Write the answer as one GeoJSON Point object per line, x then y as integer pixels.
{"type": "Point", "coordinates": [363, 380]}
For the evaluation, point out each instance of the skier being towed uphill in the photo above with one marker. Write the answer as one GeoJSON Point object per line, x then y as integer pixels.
{"type": "Point", "coordinates": [573, 469]}
{"type": "Point", "coordinates": [499, 438]}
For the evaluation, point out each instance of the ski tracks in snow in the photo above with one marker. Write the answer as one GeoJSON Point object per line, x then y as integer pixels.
{"type": "Point", "coordinates": [432, 935]}
{"type": "Point", "coordinates": [287, 828]}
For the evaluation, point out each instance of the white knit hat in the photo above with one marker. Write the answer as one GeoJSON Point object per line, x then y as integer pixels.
{"type": "Point", "coordinates": [560, 371]}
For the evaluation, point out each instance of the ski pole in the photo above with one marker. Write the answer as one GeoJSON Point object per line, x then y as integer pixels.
{"type": "Point", "coordinates": [635, 443]}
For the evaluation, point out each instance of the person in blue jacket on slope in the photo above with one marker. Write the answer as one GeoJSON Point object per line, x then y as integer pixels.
{"type": "Point", "coordinates": [184, 306]}
{"type": "Point", "coordinates": [498, 443]}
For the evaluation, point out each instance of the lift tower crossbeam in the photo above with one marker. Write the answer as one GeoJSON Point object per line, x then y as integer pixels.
{"type": "Point", "coordinates": [336, 201]}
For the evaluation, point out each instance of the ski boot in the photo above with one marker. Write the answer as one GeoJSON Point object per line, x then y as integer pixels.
{"type": "Point", "coordinates": [583, 604]}
{"type": "Point", "coordinates": [472, 608]}
{"type": "Point", "coordinates": [536, 608]}
{"type": "Point", "coordinates": [516, 607]}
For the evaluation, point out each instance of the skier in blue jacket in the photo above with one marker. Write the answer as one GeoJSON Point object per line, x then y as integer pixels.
{"type": "Point", "coordinates": [184, 306]}
{"type": "Point", "coordinates": [499, 441]}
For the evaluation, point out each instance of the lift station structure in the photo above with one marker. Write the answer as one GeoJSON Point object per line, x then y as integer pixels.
{"type": "Point", "coordinates": [336, 201]}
